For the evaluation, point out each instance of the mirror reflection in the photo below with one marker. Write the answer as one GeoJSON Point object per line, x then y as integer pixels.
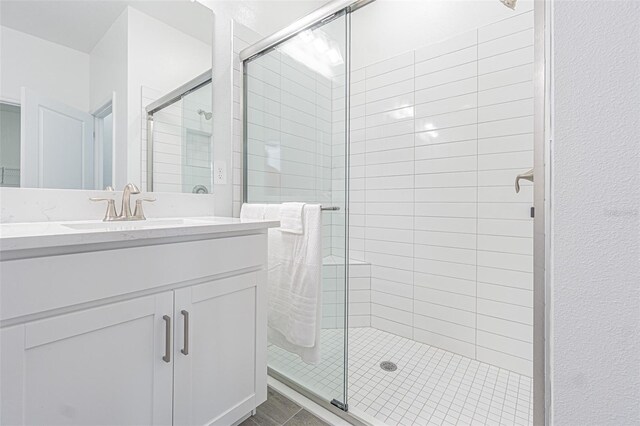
{"type": "Point", "coordinates": [100, 93]}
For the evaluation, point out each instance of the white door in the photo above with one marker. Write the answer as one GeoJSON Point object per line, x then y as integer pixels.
{"type": "Point", "coordinates": [215, 380]}
{"type": "Point", "coordinates": [56, 144]}
{"type": "Point", "coordinates": [100, 366]}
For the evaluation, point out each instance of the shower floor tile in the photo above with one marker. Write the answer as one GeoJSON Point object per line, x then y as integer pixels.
{"type": "Point", "coordinates": [430, 385]}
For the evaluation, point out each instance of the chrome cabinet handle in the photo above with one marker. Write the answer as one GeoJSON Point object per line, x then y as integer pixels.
{"type": "Point", "coordinates": [185, 350]}
{"type": "Point", "coordinates": [167, 337]}
{"type": "Point", "coordinates": [528, 175]}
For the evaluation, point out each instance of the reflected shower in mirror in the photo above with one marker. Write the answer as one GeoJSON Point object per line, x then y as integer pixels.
{"type": "Point", "coordinates": [179, 138]}
{"type": "Point", "coordinates": [76, 80]}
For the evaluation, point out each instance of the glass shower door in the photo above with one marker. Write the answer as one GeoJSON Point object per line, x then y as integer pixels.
{"type": "Point", "coordinates": [295, 142]}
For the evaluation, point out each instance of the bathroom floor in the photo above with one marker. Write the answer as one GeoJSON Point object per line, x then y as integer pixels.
{"type": "Point", "coordinates": [278, 410]}
{"type": "Point", "coordinates": [430, 385]}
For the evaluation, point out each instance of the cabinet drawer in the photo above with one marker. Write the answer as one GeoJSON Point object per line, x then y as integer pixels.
{"type": "Point", "coordinates": [30, 286]}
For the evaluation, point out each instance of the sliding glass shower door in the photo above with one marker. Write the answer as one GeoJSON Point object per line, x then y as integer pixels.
{"type": "Point", "coordinates": [295, 144]}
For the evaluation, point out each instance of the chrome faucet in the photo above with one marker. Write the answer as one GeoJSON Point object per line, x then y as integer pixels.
{"type": "Point", "coordinates": [125, 211]}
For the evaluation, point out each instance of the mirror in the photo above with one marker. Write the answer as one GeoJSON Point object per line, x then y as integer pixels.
{"type": "Point", "coordinates": [91, 91]}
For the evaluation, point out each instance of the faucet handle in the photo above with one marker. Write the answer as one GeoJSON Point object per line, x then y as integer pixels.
{"type": "Point", "coordinates": [138, 214]}
{"type": "Point", "coordinates": [111, 208]}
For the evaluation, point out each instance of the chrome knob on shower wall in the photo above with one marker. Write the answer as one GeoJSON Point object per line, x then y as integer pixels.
{"type": "Point", "coordinates": [528, 175]}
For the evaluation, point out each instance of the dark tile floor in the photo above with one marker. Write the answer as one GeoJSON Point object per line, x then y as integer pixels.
{"type": "Point", "coordinates": [278, 410]}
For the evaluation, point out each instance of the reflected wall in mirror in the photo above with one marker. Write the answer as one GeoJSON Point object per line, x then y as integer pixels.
{"type": "Point", "coordinates": [78, 79]}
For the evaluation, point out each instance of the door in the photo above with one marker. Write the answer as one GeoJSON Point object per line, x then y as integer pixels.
{"type": "Point", "coordinates": [98, 366]}
{"type": "Point", "coordinates": [56, 147]}
{"type": "Point", "coordinates": [215, 351]}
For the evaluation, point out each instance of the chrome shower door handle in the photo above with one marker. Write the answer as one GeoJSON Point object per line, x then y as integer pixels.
{"type": "Point", "coordinates": [185, 349]}
{"type": "Point", "coordinates": [528, 175]}
{"type": "Point", "coordinates": [167, 339]}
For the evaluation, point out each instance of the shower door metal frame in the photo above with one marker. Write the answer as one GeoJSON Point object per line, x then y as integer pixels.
{"type": "Point", "coordinates": [317, 18]}
{"type": "Point", "coordinates": [542, 131]}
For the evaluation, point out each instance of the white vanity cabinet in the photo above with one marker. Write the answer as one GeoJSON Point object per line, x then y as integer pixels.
{"type": "Point", "coordinates": [216, 376]}
{"type": "Point", "coordinates": [178, 336]}
{"type": "Point", "coordinates": [96, 366]}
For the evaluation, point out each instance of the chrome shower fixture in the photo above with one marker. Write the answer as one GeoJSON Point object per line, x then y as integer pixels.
{"type": "Point", "coordinates": [205, 114]}
{"type": "Point", "coordinates": [511, 4]}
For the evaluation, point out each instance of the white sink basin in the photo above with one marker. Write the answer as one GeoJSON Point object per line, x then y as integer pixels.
{"type": "Point", "coordinates": [133, 225]}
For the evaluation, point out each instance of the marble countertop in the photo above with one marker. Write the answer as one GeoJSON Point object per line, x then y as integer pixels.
{"type": "Point", "coordinates": [51, 235]}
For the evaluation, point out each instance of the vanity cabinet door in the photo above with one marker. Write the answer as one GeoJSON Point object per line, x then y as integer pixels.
{"type": "Point", "coordinates": [215, 355]}
{"type": "Point", "coordinates": [100, 366]}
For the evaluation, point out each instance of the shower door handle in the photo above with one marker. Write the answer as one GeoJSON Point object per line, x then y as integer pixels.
{"type": "Point", "coordinates": [528, 175]}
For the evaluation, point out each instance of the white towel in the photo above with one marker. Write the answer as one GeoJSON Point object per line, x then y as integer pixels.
{"type": "Point", "coordinates": [295, 278]}
{"type": "Point", "coordinates": [251, 212]}
{"type": "Point", "coordinates": [291, 217]}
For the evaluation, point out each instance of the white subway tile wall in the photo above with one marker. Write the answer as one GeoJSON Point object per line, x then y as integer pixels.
{"type": "Point", "coordinates": [288, 131]}
{"type": "Point", "coordinates": [333, 293]}
{"type": "Point", "coordinates": [242, 37]}
{"type": "Point", "coordinates": [289, 136]}
{"type": "Point", "coordinates": [438, 136]}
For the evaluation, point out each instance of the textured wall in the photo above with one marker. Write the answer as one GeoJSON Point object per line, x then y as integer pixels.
{"type": "Point", "coordinates": [595, 318]}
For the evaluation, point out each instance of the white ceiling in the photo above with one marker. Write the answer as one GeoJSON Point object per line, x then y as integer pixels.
{"type": "Point", "coordinates": [80, 24]}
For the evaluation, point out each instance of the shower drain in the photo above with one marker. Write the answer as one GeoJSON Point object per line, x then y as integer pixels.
{"type": "Point", "coordinates": [388, 366]}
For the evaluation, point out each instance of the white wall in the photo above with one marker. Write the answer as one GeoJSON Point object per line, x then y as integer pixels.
{"type": "Point", "coordinates": [47, 68]}
{"type": "Point", "coordinates": [595, 218]}
{"type": "Point", "coordinates": [387, 28]}
{"type": "Point", "coordinates": [162, 58]}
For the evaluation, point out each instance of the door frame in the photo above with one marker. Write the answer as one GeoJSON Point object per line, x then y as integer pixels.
{"type": "Point", "coordinates": [106, 107]}
{"type": "Point", "coordinates": [542, 134]}
{"type": "Point", "coordinates": [15, 103]}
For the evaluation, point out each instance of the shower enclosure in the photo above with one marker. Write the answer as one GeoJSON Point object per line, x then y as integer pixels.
{"type": "Point", "coordinates": [179, 138]}
{"type": "Point", "coordinates": [415, 133]}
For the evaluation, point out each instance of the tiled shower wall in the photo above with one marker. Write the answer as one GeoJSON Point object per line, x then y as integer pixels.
{"type": "Point", "coordinates": [291, 115]}
{"type": "Point", "coordinates": [289, 134]}
{"type": "Point", "coordinates": [437, 138]}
